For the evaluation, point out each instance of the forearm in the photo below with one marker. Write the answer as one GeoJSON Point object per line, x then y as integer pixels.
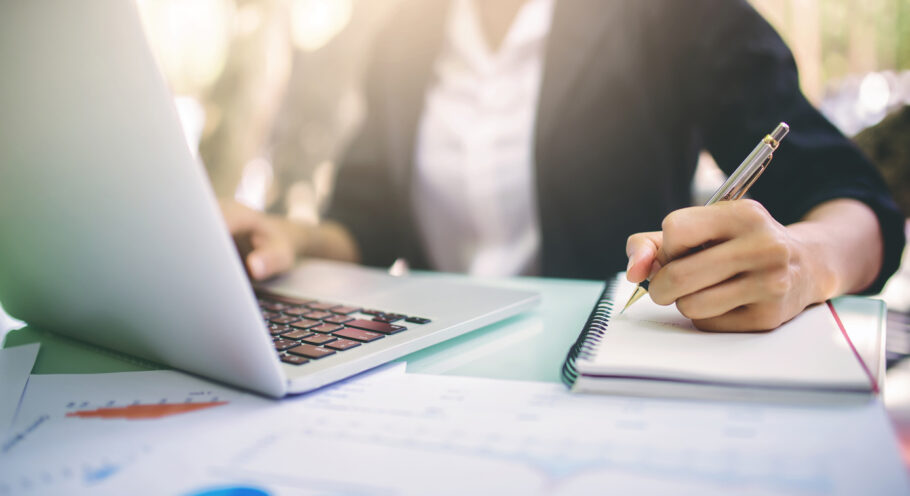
{"type": "Point", "coordinates": [841, 246]}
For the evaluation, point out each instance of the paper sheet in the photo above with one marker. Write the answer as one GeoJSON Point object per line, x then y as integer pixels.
{"type": "Point", "coordinates": [422, 434]}
{"type": "Point", "coordinates": [15, 366]}
{"type": "Point", "coordinates": [77, 432]}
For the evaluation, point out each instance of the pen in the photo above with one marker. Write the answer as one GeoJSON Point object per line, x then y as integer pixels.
{"type": "Point", "coordinates": [736, 185]}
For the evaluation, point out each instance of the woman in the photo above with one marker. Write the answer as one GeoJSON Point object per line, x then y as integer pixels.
{"type": "Point", "coordinates": [544, 136]}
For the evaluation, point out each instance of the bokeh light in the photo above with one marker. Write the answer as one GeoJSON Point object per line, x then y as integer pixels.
{"type": "Point", "coordinates": [315, 22]}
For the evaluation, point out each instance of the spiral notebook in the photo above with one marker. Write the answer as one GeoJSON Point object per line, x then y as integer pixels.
{"type": "Point", "coordinates": [653, 350]}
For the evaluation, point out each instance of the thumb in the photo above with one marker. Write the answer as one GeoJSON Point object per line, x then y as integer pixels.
{"type": "Point", "coordinates": [642, 250]}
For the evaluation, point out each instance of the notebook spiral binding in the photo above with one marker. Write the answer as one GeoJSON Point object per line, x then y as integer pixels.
{"type": "Point", "coordinates": [593, 333]}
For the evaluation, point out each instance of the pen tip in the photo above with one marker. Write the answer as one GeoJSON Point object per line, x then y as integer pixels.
{"type": "Point", "coordinates": [639, 292]}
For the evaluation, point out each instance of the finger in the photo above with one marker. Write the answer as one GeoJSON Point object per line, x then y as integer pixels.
{"type": "Point", "coordinates": [719, 299]}
{"type": "Point", "coordinates": [239, 218]}
{"type": "Point", "coordinates": [642, 249]}
{"type": "Point", "coordinates": [269, 257]}
{"type": "Point", "coordinates": [749, 318]}
{"type": "Point", "coordinates": [688, 229]}
{"type": "Point", "coordinates": [706, 268]}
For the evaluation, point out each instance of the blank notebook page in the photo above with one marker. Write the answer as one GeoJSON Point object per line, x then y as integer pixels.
{"type": "Point", "coordinates": [652, 341]}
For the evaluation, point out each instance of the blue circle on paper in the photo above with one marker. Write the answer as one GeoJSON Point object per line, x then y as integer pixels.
{"type": "Point", "coordinates": [231, 491]}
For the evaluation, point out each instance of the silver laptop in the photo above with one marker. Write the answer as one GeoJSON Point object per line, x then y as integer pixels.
{"type": "Point", "coordinates": [110, 232]}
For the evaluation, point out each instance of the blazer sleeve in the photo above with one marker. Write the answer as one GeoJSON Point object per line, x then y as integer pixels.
{"type": "Point", "coordinates": [743, 81]}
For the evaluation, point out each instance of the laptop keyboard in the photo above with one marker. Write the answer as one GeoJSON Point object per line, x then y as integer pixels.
{"type": "Point", "coordinates": [305, 330]}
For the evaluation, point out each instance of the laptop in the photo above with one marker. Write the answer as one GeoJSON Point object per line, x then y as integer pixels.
{"type": "Point", "coordinates": [110, 232]}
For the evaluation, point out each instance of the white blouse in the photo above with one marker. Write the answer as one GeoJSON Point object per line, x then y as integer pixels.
{"type": "Point", "coordinates": [474, 186]}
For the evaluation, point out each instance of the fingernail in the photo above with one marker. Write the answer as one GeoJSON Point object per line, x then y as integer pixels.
{"type": "Point", "coordinates": [631, 262]}
{"type": "Point", "coordinates": [257, 266]}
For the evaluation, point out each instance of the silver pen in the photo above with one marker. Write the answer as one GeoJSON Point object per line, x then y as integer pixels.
{"type": "Point", "coordinates": [736, 185]}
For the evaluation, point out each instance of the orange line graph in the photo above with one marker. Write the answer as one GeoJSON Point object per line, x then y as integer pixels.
{"type": "Point", "coordinates": [140, 412]}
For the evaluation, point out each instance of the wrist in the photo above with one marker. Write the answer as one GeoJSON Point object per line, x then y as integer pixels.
{"type": "Point", "coordinates": [299, 236]}
{"type": "Point", "coordinates": [323, 240]}
{"type": "Point", "coordinates": [817, 277]}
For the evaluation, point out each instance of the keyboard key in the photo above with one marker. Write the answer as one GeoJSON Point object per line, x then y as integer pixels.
{"type": "Point", "coordinates": [293, 359]}
{"type": "Point", "coordinates": [276, 329]}
{"type": "Point", "coordinates": [305, 323]}
{"type": "Point", "coordinates": [417, 320]}
{"type": "Point", "coordinates": [311, 351]}
{"type": "Point", "coordinates": [372, 325]}
{"type": "Point", "coordinates": [318, 315]}
{"type": "Point", "coordinates": [269, 315]}
{"type": "Point", "coordinates": [342, 344]}
{"type": "Point", "coordinates": [283, 344]}
{"type": "Point", "coordinates": [283, 319]}
{"type": "Point", "coordinates": [271, 306]}
{"type": "Point", "coordinates": [297, 334]}
{"type": "Point", "coordinates": [326, 328]}
{"type": "Point", "coordinates": [372, 312]}
{"type": "Point", "coordinates": [343, 310]}
{"type": "Point", "coordinates": [296, 311]}
{"type": "Point", "coordinates": [388, 319]}
{"type": "Point", "coordinates": [358, 334]}
{"type": "Point", "coordinates": [338, 319]}
{"type": "Point", "coordinates": [318, 339]}
{"type": "Point", "coordinates": [322, 305]}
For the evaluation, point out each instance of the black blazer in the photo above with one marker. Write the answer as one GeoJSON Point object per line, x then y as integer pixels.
{"type": "Point", "coordinates": [632, 91]}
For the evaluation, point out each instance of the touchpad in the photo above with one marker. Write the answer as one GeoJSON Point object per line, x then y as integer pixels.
{"type": "Point", "coordinates": [335, 281]}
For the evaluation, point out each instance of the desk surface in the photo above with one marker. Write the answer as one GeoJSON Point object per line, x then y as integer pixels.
{"type": "Point", "coordinates": [530, 346]}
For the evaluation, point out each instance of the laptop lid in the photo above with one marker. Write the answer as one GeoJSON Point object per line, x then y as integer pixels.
{"type": "Point", "coordinates": [109, 230]}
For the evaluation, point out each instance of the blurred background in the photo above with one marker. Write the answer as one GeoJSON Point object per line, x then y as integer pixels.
{"type": "Point", "coordinates": [269, 89]}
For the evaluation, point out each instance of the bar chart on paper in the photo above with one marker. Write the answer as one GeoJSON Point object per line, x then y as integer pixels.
{"type": "Point", "coordinates": [144, 412]}
{"type": "Point", "coordinates": [101, 424]}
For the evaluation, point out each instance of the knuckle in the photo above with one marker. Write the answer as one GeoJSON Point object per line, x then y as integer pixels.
{"type": "Point", "coordinates": [777, 284]}
{"type": "Point", "coordinates": [671, 222]}
{"type": "Point", "coordinates": [779, 248]}
{"type": "Point", "coordinates": [751, 211]}
{"type": "Point", "coordinates": [773, 249]}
